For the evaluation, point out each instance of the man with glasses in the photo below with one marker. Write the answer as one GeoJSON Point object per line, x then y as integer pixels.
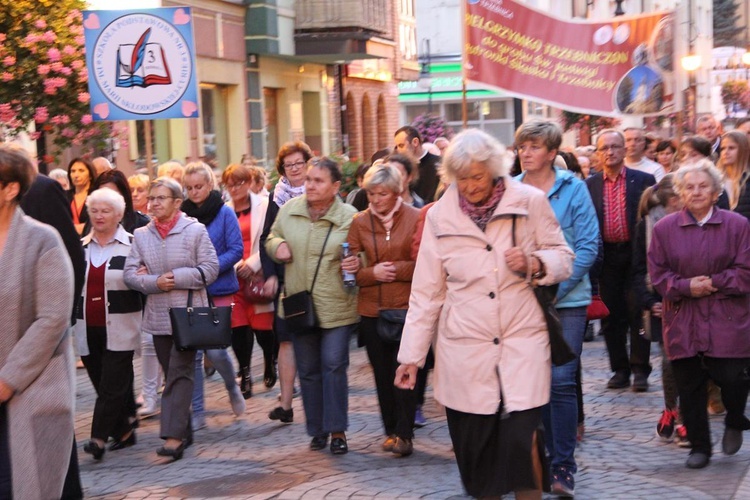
{"type": "Point", "coordinates": [616, 192]}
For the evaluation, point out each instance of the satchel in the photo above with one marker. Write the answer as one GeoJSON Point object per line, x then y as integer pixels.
{"type": "Point", "coordinates": [195, 328]}
{"type": "Point", "coordinates": [299, 309]}
{"type": "Point", "coordinates": [390, 324]}
{"type": "Point", "coordinates": [559, 349]}
{"type": "Point", "coordinates": [597, 309]}
{"type": "Point", "coordinates": [253, 291]}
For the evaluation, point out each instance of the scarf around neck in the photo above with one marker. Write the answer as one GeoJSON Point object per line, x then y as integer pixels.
{"type": "Point", "coordinates": [481, 214]}
{"type": "Point", "coordinates": [208, 211]}
{"type": "Point", "coordinates": [387, 219]}
{"type": "Point", "coordinates": [285, 192]}
{"type": "Point", "coordinates": [165, 227]}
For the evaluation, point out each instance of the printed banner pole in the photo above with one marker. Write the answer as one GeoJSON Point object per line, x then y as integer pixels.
{"type": "Point", "coordinates": [464, 64]}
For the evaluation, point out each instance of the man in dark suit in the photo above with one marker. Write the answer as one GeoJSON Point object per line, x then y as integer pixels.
{"type": "Point", "coordinates": [616, 192]}
{"type": "Point", "coordinates": [408, 141]}
{"type": "Point", "coordinates": [46, 202]}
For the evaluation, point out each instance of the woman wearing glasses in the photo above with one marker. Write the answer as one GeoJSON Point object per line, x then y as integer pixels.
{"type": "Point", "coordinates": [291, 165]}
{"type": "Point", "coordinates": [166, 260]}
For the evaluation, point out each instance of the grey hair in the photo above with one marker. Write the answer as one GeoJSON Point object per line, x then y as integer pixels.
{"type": "Point", "coordinates": [704, 165]}
{"type": "Point", "coordinates": [58, 174]}
{"type": "Point", "coordinates": [109, 197]}
{"type": "Point", "coordinates": [473, 146]}
{"type": "Point", "coordinates": [611, 131]}
{"type": "Point", "coordinates": [198, 167]}
{"type": "Point", "coordinates": [172, 185]}
{"type": "Point", "coordinates": [386, 175]}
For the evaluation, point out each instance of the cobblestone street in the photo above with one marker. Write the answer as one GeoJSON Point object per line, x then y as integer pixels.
{"type": "Point", "coordinates": [251, 457]}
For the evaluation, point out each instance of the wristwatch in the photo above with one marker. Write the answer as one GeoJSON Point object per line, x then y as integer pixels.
{"type": "Point", "coordinates": [542, 272]}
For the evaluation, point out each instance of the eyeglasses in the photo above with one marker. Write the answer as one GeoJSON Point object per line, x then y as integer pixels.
{"type": "Point", "coordinates": [294, 166]}
{"type": "Point", "coordinates": [233, 186]}
{"type": "Point", "coordinates": [160, 199]}
{"type": "Point", "coordinates": [613, 147]}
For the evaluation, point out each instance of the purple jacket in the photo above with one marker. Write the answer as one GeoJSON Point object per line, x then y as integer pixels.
{"type": "Point", "coordinates": [717, 325]}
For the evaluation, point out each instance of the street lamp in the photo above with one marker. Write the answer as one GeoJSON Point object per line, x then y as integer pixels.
{"type": "Point", "coordinates": [619, 10]}
{"type": "Point", "coordinates": [425, 79]}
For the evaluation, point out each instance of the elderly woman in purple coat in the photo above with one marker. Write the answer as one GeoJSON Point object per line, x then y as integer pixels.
{"type": "Point", "coordinates": [699, 261]}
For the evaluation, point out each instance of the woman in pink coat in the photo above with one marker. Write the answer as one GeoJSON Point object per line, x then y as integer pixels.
{"type": "Point", "coordinates": [472, 298]}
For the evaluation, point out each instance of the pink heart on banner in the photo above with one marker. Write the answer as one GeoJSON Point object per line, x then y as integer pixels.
{"type": "Point", "coordinates": [102, 109]}
{"type": "Point", "coordinates": [181, 17]}
{"type": "Point", "coordinates": [91, 22]}
{"type": "Point", "coordinates": [188, 108]}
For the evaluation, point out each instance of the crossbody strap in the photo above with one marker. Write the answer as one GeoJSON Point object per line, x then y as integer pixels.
{"type": "Point", "coordinates": [320, 259]}
{"type": "Point", "coordinates": [377, 258]}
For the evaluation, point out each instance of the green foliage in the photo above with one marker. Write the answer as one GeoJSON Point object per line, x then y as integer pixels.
{"type": "Point", "coordinates": [732, 91]}
{"type": "Point", "coordinates": [726, 32]}
{"type": "Point", "coordinates": [43, 75]}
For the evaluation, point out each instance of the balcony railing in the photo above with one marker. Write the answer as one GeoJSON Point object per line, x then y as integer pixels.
{"type": "Point", "coordinates": [338, 15]}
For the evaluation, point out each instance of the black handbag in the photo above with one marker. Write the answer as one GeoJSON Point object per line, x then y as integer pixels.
{"type": "Point", "coordinates": [299, 309]}
{"type": "Point", "coordinates": [195, 328]}
{"type": "Point", "coordinates": [390, 324]}
{"type": "Point", "coordinates": [559, 349]}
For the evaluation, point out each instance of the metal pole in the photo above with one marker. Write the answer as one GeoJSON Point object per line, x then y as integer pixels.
{"type": "Point", "coordinates": [149, 150]}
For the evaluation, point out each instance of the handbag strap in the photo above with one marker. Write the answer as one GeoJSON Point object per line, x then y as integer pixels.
{"type": "Point", "coordinates": [320, 259]}
{"type": "Point", "coordinates": [205, 286]}
{"type": "Point", "coordinates": [377, 258]}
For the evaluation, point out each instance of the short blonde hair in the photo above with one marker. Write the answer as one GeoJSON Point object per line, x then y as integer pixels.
{"type": "Point", "coordinates": [385, 175]}
{"type": "Point", "coordinates": [138, 181]}
{"type": "Point", "coordinates": [168, 168]}
{"type": "Point", "coordinates": [473, 146]}
{"type": "Point", "coordinates": [200, 168]}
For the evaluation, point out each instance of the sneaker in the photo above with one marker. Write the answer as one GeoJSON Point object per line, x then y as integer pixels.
{"type": "Point", "coordinates": [681, 438]}
{"type": "Point", "coordinates": [197, 421]}
{"type": "Point", "coordinates": [665, 427]}
{"type": "Point", "coordinates": [279, 413]}
{"type": "Point", "coordinates": [419, 420]}
{"type": "Point", "coordinates": [149, 408]}
{"type": "Point", "coordinates": [563, 483]}
{"type": "Point", "coordinates": [237, 400]}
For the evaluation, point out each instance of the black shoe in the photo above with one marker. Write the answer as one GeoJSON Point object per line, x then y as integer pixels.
{"type": "Point", "coordinates": [123, 443]}
{"type": "Point", "coordinates": [640, 382]}
{"type": "Point", "coordinates": [319, 442]}
{"type": "Point", "coordinates": [94, 450]}
{"type": "Point", "coordinates": [588, 336]}
{"type": "Point", "coordinates": [697, 460]}
{"type": "Point", "coordinates": [270, 377]}
{"type": "Point", "coordinates": [339, 446]}
{"type": "Point", "coordinates": [279, 413]}
{"type": "Point", "coordinates": [619, 380]}
{"type": "Point", "coordinates": [246, 384]}
{"type": "Point", "coordinates": [732, 441]}
{"type": "Point", "coordinates": [175, 453]}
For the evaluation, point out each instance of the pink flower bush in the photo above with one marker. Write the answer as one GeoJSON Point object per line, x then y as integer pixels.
{"type": "Point", "coordinates": [41, 115]}
{"type": "Point", "coordinates": [49, 36]}
{"type": "Point", "coordinates": [7, 77]}
{"type": "Point", "coordinates": [43, 69]}
{"type": "Point", "coordinates": [86, 119]}
{"type": "Point", "coordinates": [9, 60]}
{"type": "Point", "coordinates": [83, 97]}
{"type": "Point", "coordinates": [53, 54]}
{"type": "Point", "coordinates": [40, 23]}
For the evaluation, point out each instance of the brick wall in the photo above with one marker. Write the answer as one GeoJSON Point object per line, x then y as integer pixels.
{"type": "Point", "coordinates": [368, 135]}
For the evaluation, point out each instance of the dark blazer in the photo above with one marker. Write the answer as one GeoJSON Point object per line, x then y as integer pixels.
{"type": "Point", "coordinates": [47, 202]}
{"type": "Point", "coordinates": [636, 182]}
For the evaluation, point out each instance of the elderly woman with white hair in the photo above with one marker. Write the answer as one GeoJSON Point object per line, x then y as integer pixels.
{"type": "Point", "coordinates": [472, 296]}
{"type": "Point", "coordinates": [699, 262]}
{"type": "Point", "coordinates": [383, 233]}
{"type": "Point", "coordinates": [170, 256]}
{"type": "Point", "coordinates": [108, 329]}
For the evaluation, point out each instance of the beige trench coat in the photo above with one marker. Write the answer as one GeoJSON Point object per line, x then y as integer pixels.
{"type": "Point", "coordinates": [489, 334]}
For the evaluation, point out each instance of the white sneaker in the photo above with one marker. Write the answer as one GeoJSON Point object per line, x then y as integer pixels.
{"type": "Point", "coordinates": [149, 409]}
{"type": "Point", "coordinates": [237, 401]}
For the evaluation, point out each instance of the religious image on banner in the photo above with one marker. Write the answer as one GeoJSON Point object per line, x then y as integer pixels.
{"type": "Point", "coordinates": [141, 64]}
{"type": "Point", "coordinates": [620, 66]}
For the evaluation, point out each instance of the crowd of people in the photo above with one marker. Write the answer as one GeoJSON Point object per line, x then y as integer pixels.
{"type": "Point", "coordinates": [436, 262]}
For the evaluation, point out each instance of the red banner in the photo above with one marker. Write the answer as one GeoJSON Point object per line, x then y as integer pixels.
{"type": "Point", "coordinates": [622, 66]}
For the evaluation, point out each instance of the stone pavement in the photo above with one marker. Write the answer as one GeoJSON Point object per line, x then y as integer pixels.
{"type": "Point", "coordinates": [251, 457]}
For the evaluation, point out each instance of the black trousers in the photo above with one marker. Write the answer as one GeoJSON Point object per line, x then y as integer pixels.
{"type": "Point", "coordinates": [111, 374]}
{"type": "Point", "coordinates": [179, 372]}
{"type": "Point", "coordinates": [242, 345]}
{"type": "Point", "coordinates": [692, 375]}
{"type": "Point", "coordinates": [616, 290]}
{"type": "Point", "coordinates": [6, 485]}
{"type": "Point", "coordinates": [397, 406]}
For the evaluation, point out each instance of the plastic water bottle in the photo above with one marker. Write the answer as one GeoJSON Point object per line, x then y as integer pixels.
{"type": "Point", "coordinates": [350, 281]}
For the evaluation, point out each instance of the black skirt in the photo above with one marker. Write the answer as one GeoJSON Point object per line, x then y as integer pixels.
{"type": "Point", "coordinates": [494, 452]}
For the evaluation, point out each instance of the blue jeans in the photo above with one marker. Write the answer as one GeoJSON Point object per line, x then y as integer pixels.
{"type": "Point", "coordinates": [560, 416]}
{"type": "Point", "coordinates": [322, 362]}
{"type": "Point", "coordinates": [223, 364]}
